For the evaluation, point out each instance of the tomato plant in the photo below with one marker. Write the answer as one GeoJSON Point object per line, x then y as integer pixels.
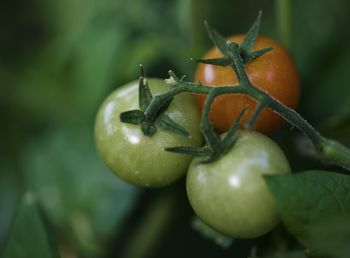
{"type": "Point", "coordinates": [274, 72]}
{"type": "Point", "coordinates": [141, 159]}
{"type": "Point", "coordinates": [230, 194]}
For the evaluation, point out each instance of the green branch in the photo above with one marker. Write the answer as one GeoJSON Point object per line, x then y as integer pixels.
{"type": "Point", "coordinates": [328, 150]}
{"type": "Point", "coordinates": [234, 56]}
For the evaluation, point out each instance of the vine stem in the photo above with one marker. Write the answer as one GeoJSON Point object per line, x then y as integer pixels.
{"type": "Point", "coordinates": [328, 150]}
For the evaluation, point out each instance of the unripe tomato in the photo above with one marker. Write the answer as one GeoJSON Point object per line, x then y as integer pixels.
{"type": "Point", "coordinates": [274, 72]}
{"type": "Point", "coordinates": [230, 194]}
{"type": "Point", "coordinates": [140, 159]}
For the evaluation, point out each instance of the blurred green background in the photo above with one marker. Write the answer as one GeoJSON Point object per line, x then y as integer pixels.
{"type": "Point", "coordinates": [60, 59]}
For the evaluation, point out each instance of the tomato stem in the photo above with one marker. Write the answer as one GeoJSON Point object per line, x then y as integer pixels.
{"type": "Point", "coordinates": [334, 152]}
{"type": "Point", "coordinates": [328, 150]}
{"type": "Point", "coordinates": [259, 107]}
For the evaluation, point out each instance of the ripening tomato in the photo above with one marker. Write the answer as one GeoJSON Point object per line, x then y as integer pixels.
{"type": "Point", "coordinates": [140, 159]}
{"type": "Point", "coordinates": [230, 194]}
{"type": "Point", "coordinates": [274, 72]}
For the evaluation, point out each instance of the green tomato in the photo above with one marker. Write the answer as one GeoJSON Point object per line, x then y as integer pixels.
{"type": "Point", "coordinates": [140, 159]}
{"type": "Point", "coordinates": [230, 194]}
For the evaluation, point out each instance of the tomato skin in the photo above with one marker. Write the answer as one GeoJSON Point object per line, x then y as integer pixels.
{"type": "Point", "coordinates": [140, 159]}
{"type": "Point", "coordinates": [273, 72]}
{"type": "Point", "coordinates": [230, 194]}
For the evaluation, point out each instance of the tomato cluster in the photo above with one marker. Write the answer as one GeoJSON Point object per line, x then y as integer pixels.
{"type": "Point", "coordinates": [229, 194]}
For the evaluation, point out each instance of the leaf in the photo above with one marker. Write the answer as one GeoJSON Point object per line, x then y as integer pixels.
{"type": "Point", "coordinates": [218, 238]}
{"type": "Point", "coordinates": [306, 198]}
{"type": "Point", "coordinates": [28, 235]}
{"type": "Point", "coordinates": [335, 232]}
{"type": "Point", "coordinates": [85, 202]}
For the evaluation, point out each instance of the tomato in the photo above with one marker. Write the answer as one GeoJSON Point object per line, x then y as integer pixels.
{"type": "Point", "coordinates": [273, 72]}
{"type": "Point", "coordinates": [230, 194]}
{"type": "Point", "coordinates": [140, 159]}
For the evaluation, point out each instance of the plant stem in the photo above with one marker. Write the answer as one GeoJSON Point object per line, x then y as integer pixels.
{"type": "Point", "coordinates": [335, 152]}
{"type": "Point", "coordinates": [328, 150]}
{"type": "Point", "coordinates": [159, 100]}
{"type": "Point", "coordinates": [283, 8]}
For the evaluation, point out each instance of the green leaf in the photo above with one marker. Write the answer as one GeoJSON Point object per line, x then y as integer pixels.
{"type": "Point", "coordinates": [28, 235]}
{"type": "Point", "coordinates": [134, 117]}
{"type": "Point", "coordinates": [76, 190]}
{"type": "Point", "coordinates": [218, 238]}
{"type": "Point", "coordinates": [306, 198]}
{"type": "Point", "coordinates": [166, 123]}
{"type": "Point", "coordinates": [335, 232]}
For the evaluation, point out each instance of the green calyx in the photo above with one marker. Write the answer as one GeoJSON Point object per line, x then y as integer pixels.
{"type": "Point", "coordinates": [149, 122]}
{"type": "Point", "coordinates": [236, 56]}
{"type": "Point", "coordinates": [151, 115]}
{"type": "Point", "coordinates": [216, 146]}
{"type": "Point", "coordinates": [245, 48]}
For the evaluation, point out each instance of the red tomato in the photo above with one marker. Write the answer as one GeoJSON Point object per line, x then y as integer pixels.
{"type": "Point", "coordinates": [274, 72]}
